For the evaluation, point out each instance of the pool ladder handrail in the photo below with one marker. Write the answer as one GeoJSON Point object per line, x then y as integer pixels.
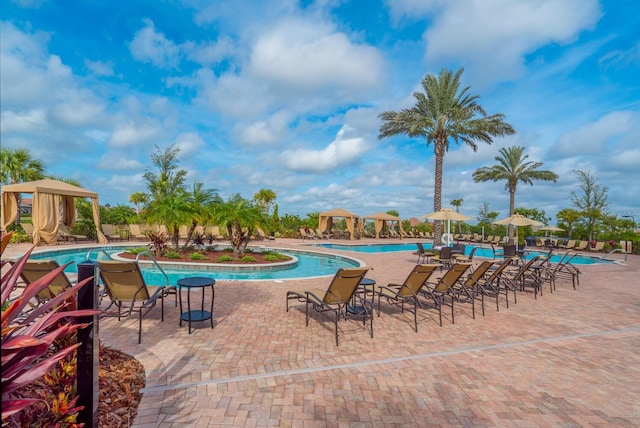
{"type": "Point", "coordinates": [101, 250]}
{"type": "Point", "coordinates": [155, 262]}
{"type": "Point", "coordinates": [615, 250]}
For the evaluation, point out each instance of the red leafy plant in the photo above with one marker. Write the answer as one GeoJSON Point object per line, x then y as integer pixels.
{"type": "Point", "coordinates": [28, 336]}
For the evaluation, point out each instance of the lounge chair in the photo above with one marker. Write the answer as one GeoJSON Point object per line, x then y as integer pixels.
{"type": "Point", "coordinates": [325, 235]}
{"type": "Point", "coordinates": [135, 232]}
{"type": "Point", "coordinates": [599, 246]}
{"type": "Point", "coordinates": [28, 228]}
{"type": "Point", "coordinates": [582, 245]}
{"type": "Point", "coordinates": [110, 232]}
{"type": "Point", "coordinates": [565, 269]}
{"type": "Point", "coordinates": [306, 235]}
{"type": "Point", "coordinates": [568, 245]}
{"type": "Point", "coordinates": [35, 269]}
{"type": "Point", "coordinates": [335, 298]}
{"type": "Point", "coordinates": [522, 278]}
{"type": "Point", "coordinates": [128, 291]}
{"type": "Point", "coordinates": [263, 236]}
{"type": "Point", "coordinates": [438, 291]}
{"type": "Point", "coordinates": [66, 235]}
{"type": "Point", "coordinates": [490, 284]}
{"type": "Point", "coordinates": [469, 287]}
{"type": "Point", "coordinates": [407, 292]}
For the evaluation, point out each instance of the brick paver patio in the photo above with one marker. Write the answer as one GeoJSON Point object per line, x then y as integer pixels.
{"type": "Point", "coordinates": [567, 359]}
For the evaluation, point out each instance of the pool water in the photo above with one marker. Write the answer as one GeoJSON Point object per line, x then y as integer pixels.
{"type": "Point", "coordinates": [483, 252]}
{"type": "Point", "coordinates": [309, 265]}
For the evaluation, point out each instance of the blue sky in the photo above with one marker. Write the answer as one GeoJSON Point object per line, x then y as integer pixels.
{"type": "Point", "coordinates": [285, 95]}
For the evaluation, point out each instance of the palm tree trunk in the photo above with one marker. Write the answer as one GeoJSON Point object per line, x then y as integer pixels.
{"type": "Point", "coordinates": [512, 209]}
{"type": "Point", "coordinates": [437, 191]}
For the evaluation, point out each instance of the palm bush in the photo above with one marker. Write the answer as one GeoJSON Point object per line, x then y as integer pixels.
{"type": "Point", "coordinates": [28, 335]}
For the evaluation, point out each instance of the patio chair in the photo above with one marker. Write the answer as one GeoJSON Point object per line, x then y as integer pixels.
{"type": "Point", "coordinates": [443, 257]}
{"type": "Point", "coordinates": [439, 290]}
{"type": "Point", "coordinates": [461, 258]}
{"type": "Point", "coordinates": [128, 291]}
{"type": "Point", "coordinates": [336, 298]}
{"type": "Point", "coordinates": [407, 292]}
{"type": "Point", "coordinates": [35, 269]}
{"type": "Point", "coordinates": [490, 283]}
{"type": "Point", "coordinates": [469, 288]}
{"type": "Point", "coordinates": [568, 245]}
{"type": "Point", "coordinates": [66, 235]}
{"type": "Point", "coordinates": [263, 236]}
{"type": "Point", "coordinates": [422, 254]}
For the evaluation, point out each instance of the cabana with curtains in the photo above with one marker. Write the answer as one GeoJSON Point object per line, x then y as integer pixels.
{"type": "Point", "coordinates": [52, 204]}
{"type": "Point", "coordinates": [352, 220]}
{"type": "Point", "coordinates": [380, 219]}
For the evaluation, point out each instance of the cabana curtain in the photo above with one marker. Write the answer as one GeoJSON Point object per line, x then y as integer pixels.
{"type": "Point", "coordinates": [46, 213]}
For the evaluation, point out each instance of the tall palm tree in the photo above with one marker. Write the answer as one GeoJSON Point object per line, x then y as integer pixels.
{"type": "Point", "coordinates": [570, 216]}
{"type": "Point", "coordinates": [513, 167]}
{"type": "Point", "coordinates": [444, 113]}
{"type": "Point", "coordinates": [138, 198]}
{"type": "Point", "coordinates": [456, 203]}
{"type": "Point", "coordinates": [265, 197]}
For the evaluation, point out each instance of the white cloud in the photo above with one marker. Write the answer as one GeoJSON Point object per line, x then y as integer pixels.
{"type": "Point", "coordinates": [341, 151]}
{"type": "Point", "coordinates": [208, 53]}
{"type": "Point", "coordinates": [29, 121]}
{"type": "Point", "coordinates": [131, 134]}
{"type": "Point", "coordinates": [269, 131]}
{"type": "Point", "coordinates": [591, 138]}
{"type": "Point", "coordinates": [302, 55]}
{"type": "Point", "coordinates": [189, 143]}
{"type": "Point", "coordinates": [492, 37]}
{"type": "Point", "coordinates": [149, 45]}
{"type": "Point", "coordinates": [100, 68]}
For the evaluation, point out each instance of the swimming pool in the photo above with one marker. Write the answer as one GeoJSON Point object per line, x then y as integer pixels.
{"type": "Point", "coordinates": [484, 252]}
{"type": "Point", "coordinates": [310, 264]}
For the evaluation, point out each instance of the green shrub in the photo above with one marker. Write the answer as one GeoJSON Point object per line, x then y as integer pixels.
{"type": "Point", "coordinates": [271, 257]}
{"type": "Point", "coordinates": [249, 259]}
{"type": "Point", "coordinates": [136, 250]}
{"type": "Point", "coordinates": [222, 259]}
{"type": "Point", "coordinates": [197, 256]}
{"type": "Point", "coordinates": [173, 255]}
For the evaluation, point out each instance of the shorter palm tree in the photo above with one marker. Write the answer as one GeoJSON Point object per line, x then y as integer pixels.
{"type": "Point", "coordinates": [513, 167]}
{"type": "Point", "coordinates": [240, 217]}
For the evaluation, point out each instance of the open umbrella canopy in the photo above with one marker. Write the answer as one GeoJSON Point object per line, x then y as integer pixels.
{"type": "Point", "coordinates": [449, 215]}
{"type": "Point", "coordinates": [518, 220]}
{"type": "Point", "coordinates": [446, 214]}
{"type": "Point", "coordinates": [552, 229]}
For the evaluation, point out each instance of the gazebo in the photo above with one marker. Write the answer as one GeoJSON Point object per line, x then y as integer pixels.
{"type": "Point", "coordinates": [52, 204]}
{"type": "Point", "coordinates": [380, 219]}
{"type": "Point", "coordinates": [326, 220]}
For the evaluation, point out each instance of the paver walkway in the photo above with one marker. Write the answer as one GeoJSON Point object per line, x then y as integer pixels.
{"type": "Point", "coordinates": [567, 359]}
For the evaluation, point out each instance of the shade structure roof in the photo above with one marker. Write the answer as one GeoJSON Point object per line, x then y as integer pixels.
{"type": "Point", "coordinates": [338, 212]}
{"type": "Point", "coordinates": [49, 186]}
